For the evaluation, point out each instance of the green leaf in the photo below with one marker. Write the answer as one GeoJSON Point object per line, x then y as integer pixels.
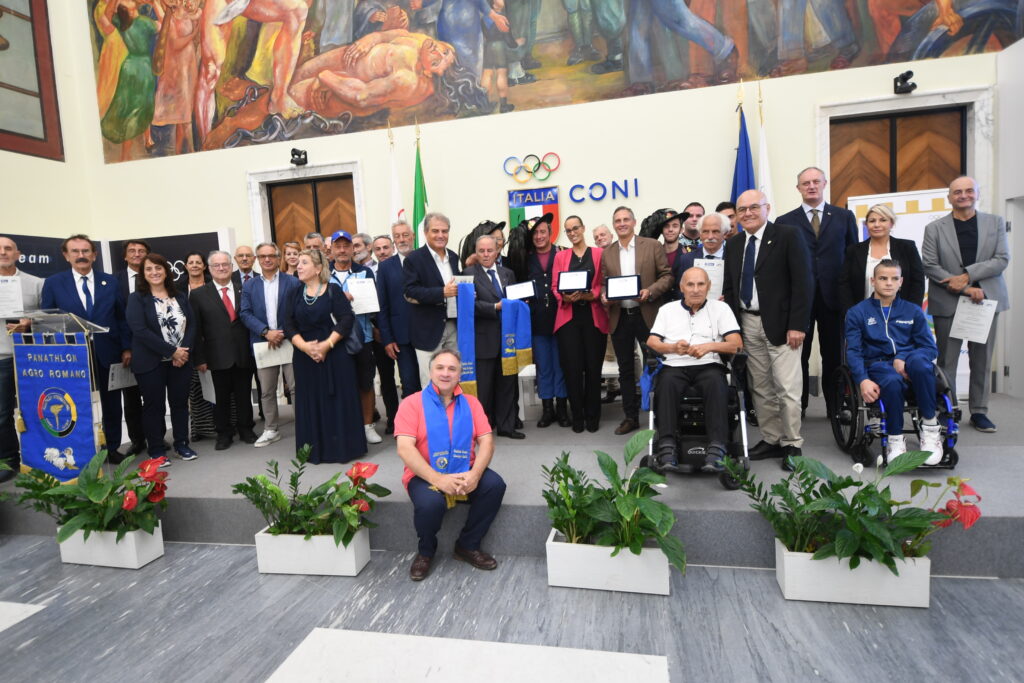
{"type": "Point", "coordinates": [97, 491]}
{"type": "Point", "coordinates": [846, 543]}
{"type": "Point", "coordinates": [72, 525]}
{"type": "Point", "coordinates": [815, 467]}
{"type": "Point", "coordinates": [910, 460]}
{"type": "Point", "coordinates": [610, 469]}
{"type": "Point", "coordinates": [916, 486]}
{"type": "Point", "coordinates": [653, 511]}
{"type": "Point", "coordinates": [603, 510]}
{"type": "Point", "coordinates": [674, 551]}
{"type": "Point", "coordinates": [878, 530]}
{"type": "Point", "coordinates": [626, 505]}
{"type": "Point", "coordinates": [825, 551]}
{"type": "Point", "coordinates": [854, 562]}
{"type": "Point", "coordinates": [637, 443]}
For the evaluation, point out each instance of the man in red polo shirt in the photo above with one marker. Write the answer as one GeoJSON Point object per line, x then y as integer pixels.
{"type": "Point", "coordinates": [446, 443]}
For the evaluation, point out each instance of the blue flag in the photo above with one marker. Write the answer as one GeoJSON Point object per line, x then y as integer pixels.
{"type": "Point", "coordinates": [743, 175]}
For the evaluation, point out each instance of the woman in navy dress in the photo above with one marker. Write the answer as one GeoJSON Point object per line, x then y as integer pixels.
{"type": "Point", "coordinates": [317, 320]}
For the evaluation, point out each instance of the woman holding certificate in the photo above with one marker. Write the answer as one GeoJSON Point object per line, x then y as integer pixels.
{"type": "Point", "coordinates": [317, 321]}
{"type": "Point", "coordinates": [581, 325]}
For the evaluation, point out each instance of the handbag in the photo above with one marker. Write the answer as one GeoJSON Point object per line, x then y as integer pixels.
{"type": "Point", "coordinates": [353, 344]}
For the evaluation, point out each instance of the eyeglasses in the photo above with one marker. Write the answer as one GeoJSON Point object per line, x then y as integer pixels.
{"type": "Point", "coordinates": [266, 256]}
{"type": "Point", "coordinates": [753, 208]}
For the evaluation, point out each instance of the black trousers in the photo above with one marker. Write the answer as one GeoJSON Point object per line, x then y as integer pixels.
{"type": "Point", "coordinates": [631, 328]}
{"type": "Point", "coordinates": [386, 372]}
{"type": "Point", "coordinates": [830, 343]}
{"type": "Point", "coordinates": [581, 349]}
{"type": "Point", "coordinates": [234, 382]}
{"type": "Point", "coordinates": [710, 382]}
{"type": "Point", "coordinates": [497, 394]}
{"type": "Point", "coordinates": [133, 416]}
{"type": "Point", "coordinates": [172, 383]}
{"type": "Point", "coordinates": [110, 402]}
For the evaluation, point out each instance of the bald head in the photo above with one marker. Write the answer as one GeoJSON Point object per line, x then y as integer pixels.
{"type": "Point", "coordinates": [694, 285]}
{"type": "Point", "coordinates": [753, 209]}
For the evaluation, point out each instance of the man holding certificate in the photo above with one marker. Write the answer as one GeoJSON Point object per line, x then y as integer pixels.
{"type": "Point", "coordinates": [964, 255]}
{"type": "Point", "coordinates": [263, 298]}
{"type": "Point", "coordinates": [636, 276]}
{"type": "Point", "coordinates": [496, 390]}
{"type": "Point", "coordinates": [710, 255]}
{"type": "Point", "coordinates": [24, 293]}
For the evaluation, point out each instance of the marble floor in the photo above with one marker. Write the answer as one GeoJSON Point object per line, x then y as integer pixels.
{"type": "Point", "coordinates": [203, 613]}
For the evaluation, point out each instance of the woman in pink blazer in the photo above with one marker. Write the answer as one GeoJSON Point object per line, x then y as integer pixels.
{"type": "Point", "coordinates": [581, 326]}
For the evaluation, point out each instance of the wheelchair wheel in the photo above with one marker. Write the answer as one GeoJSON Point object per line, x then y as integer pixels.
{"type": "Point", "coordinates": [847, 418]}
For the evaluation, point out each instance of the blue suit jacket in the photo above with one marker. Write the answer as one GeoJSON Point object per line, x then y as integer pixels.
{"type": "Point", "coordinates": [393, 318]}
{"type": "Point", "coordinates": [838, 231]}
{"type": "Point", "coordinates": [425, 292]}
{"type": "Point", "coordinates": [254, 304]}
{"type": "Point", "coordinates": [148, 346]}
{"type": "Point", "coordinates": [683, 263]}
{"type": "Point", "coordinates": [60, 291]}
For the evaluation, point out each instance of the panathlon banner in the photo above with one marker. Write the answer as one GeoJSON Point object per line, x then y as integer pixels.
{"type": "Point", "coordinates": [526, 204]}
{"type": "Point", "coordinates": [55, 396]}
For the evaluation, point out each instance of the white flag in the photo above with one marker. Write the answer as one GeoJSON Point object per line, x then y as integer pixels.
{"type": "Point", "coordinates": [397, 207]}
{"type": "Point", "coordinates": [764, 171]}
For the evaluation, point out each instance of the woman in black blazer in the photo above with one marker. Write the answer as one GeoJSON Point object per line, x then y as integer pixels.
{"type": "Point", "coordinates": [162, 338]}
{"type": "Point", "coordinates": [861, 258]}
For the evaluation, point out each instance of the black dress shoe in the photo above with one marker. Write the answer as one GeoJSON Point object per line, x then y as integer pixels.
{"type": "Point", "coordinates": [247, 437]}
{"type": "Point", "coordinates": [420, 568]}
{"type": "Point", "coordinates": [7, 475]}
{"type": "Point", "coordinates": [512, 435]}
{"type": "Point", "coordinates": [611, 396]}
{"type": "Point", "coordinates": [593, 425]}
{"type": "Point", "coordinates": [577, 426]}
{"type": "Point", "coordinates": [626, 426]}
{"type": "Point", "coordinates": [117, 457]}
{"type": "Point", "coordinates": [223, 443]}
{"type": "Point", "coordinates": [137, 447]}
{"type": "Point", "coordinates": [519, 423]}
{"type": "Point", "coordinates": [788, 455]}
{"type": "Point", "coordinates": [764, 450]}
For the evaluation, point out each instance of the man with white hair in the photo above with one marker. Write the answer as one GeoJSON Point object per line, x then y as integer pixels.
{"type": "Point", "coordinates": [394, 316]}
{"type": "Point", "coordinates": [711, 230]}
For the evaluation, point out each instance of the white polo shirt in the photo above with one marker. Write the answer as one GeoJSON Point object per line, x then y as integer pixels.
{"type": "Point", "coordinates": [710, 323]}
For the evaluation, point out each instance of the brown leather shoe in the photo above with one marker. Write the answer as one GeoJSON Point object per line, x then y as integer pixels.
{"type": "Point", "coordinates": [420, 568]}
{"type": "Point", "coordinates": [477, 558]}
{"type": "Point", "coordinates": [626, 426]}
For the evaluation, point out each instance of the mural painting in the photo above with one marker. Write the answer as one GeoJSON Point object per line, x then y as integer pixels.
{"type": "Point", "coordinates": [178, 76]}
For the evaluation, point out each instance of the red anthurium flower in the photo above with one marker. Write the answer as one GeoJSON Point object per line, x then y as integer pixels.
{"type": "Point", "coordinates": [131, 499]}
{"type": "Point", "coordinates": [148, 469]}
{"type": "Point", "coordinates": [965, 512]}
{"type": "Point", "coordinates": [158, 492]}
{"type": "Point", "coordinates": [965, 489]}
{"type": "Point", "coordinates": [362, 470]}
{"type": "Point", "coordinates": [361, 505]}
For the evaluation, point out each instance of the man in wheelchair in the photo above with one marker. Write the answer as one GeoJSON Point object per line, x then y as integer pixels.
{"type": "Point", "coordinates": [890, 349]}
{"type": "Point", "coordinates": [691, 335]}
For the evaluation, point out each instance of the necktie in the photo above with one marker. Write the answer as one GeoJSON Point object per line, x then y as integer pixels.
{"type": "Point", "coordinates": [88, 295]}
{"type": "Point", "coordinates": [494, 281]}
{"type": "Point", "coordinates": [747, 283]}
{"type": "Point", "coordinates": [816, 221]}
{"type": "Point", "coordinates": [227, 303]}
{"type": "Point", "coordinates": [245, 278]}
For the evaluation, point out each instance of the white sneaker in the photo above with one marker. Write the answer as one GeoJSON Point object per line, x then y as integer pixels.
{"type": "Point", "coordinates": [268, 437]}
{"type": "Point", "coordinates": [371, 434]}
{"type": "Point", "coordinates": [931, 440]}
{"type": "Point", "coordinates": [897, 447]}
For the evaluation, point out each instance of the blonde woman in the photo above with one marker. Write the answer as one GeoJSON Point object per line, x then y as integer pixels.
{"type": "Point", "coordinates": [861, 259]}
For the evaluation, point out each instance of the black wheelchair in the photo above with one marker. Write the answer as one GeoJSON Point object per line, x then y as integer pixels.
{"type": "Point", "coordinates": [691, 422]}
{"type": "Point", "coordinates": [856, 424]}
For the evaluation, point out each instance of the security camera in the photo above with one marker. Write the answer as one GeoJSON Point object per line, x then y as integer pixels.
{"type": "Point", "coordinates": [299, 157]}
{"type": "Point", "coordinates": [901, 85]}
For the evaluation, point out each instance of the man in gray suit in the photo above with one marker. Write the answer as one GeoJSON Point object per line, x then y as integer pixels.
{"type": "Point", "coordinates": [964, 255]}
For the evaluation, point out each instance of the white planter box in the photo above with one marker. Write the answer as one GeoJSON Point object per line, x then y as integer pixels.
{"type": "Point", "coordinates": [871, 583]}
{"type": "Point", "coordinates": [578, 565]}
{"type": "Point", "coordinates": [293, 554]}
{"type": "Point", "coordinates": [135, 550]}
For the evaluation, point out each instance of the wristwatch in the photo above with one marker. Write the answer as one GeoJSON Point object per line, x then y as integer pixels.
{"type": "Point", "coordinates": [263, 332]}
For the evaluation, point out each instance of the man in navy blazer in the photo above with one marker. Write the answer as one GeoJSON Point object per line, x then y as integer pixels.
{"type": "Point", "coordinates": [827, 231]}
{"type": "Point", "coordinates": [711, 229]}
{"type": "Point", "coordinates": [264, 299]}
{"type": "Point", "coordinates": [429, 283]}
{"type": "Point", "coordinates": [135, 251]}
{"type": "Point", "coordinates": [393, 318]}
{"type": "Point", "coordinates": [94, 296]}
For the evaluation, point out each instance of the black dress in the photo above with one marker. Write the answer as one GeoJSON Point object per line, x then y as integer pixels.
{"type": "Point", "coordinates": [328, 412]}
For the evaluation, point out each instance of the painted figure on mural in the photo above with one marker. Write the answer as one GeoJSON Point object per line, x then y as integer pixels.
{"type": "Point", "coordinates": [130, 111]}
{"type": "Point", "coordinates": [232, 72]}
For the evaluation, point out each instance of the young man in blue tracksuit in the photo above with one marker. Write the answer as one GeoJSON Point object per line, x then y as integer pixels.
{"type": "Point", "coordinates": [890, 348]}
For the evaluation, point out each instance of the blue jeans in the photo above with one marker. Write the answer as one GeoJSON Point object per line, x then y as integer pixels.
{"type": "Point", "coordinates": [677, 17]}
{"type": "Point", "coordinates": [429, 508]}
{"type": "Point", "coordinates": [550, 381]}
{"type": "Point", "coordinates": [833, 17]}
{"type": "Point", "coordinates": [10, 452]}
{"type": "Point", "coordinates": [893, 388]}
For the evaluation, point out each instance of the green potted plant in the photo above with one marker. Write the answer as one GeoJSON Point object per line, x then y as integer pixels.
{"type": "Point", "coordinates": [320, 531]}
{"type": "Point", "coordinates": [107, 519]}
{"type": "Point", "coordinates": [589, 519]}
{"type": "Point", "coordinates": [878, 545]}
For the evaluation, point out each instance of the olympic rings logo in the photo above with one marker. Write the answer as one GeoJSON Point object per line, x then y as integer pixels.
{"type": "Point", "coordinates": [532, 166]}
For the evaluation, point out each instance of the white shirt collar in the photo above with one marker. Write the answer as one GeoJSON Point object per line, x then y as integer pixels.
{"type": "Point", "coordinates": [437, 257]}
{"type": "Point", "coordinates": [718, 254]}
{"type": "Point", "coordinates": [808, 208]}
{"type": "Point", "coordinates": [629, 245]}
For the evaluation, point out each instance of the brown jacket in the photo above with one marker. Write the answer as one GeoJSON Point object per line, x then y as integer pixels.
{"type": "Point", "coordinates": [655, 276]}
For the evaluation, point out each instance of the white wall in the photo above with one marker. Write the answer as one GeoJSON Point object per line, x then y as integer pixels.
{"type": "Point", "coordinates": [680, 146]}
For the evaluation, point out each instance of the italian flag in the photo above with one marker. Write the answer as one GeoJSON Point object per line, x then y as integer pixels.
{"type": "Point", "coordinates": [419, 201]}
{"type": "Point", "coordinates": [519, 214]}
